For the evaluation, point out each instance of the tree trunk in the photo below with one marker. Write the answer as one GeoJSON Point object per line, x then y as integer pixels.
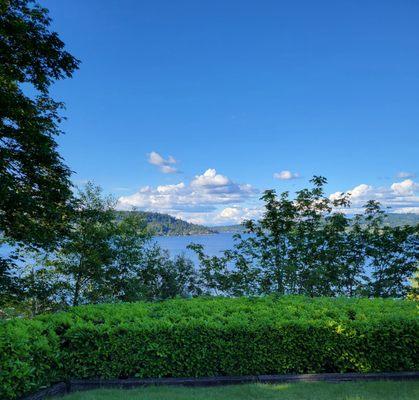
{"type": "Point", "coordinates": [77, 290]}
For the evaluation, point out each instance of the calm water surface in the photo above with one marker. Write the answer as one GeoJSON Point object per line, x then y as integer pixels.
{"type": "Point", "coordinates": [213, 244]}
{"type": "Point", "coordinates": [176, 245]}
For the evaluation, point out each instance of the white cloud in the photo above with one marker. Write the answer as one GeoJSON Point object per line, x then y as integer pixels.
{"type": "Point", "coordinates": [237, 214]}
{"type": "Point", "coordinates": [399, 197]}
{"type": "Point", "coordinates": [404, 175]}
{"type": "Point", "coordinates": [361, 191]}
{"type": "Point", "coordinates": [210, 179]}
{"type": "Point", "coordinates": [198, 200]}
{"type": "Point", "coordinates": [405, 188]}
{"type": "Point", "coordinates": [167, 169]}
{"type": "Point", "coordinates": [165, 165]}
{"type": "Point", "coordinates": [358, 193]}
{"type": "Point", "coordinates": [230, 212]}
{"type": "Point", "coordinates": [170, 188]}
{"type": "Point", "coordinates": [286, 175]}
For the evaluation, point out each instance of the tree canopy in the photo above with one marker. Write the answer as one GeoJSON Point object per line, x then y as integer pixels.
{"type": "Point", "coordinates": [309, 245]}
{"type": "Point", "coordinates": [35, 189]}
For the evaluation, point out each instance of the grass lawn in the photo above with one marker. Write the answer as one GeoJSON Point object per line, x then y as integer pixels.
{"type": "Point", "coordinates": [297, 391]}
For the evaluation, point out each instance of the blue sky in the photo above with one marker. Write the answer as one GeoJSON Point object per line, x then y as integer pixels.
{"type": "Point", "coordinates": [236, 92]}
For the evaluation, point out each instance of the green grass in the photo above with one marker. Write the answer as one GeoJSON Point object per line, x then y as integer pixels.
{"type": "Point", "coordinates": [298, 391]}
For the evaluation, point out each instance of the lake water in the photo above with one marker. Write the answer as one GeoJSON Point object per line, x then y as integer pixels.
{"type": "Point", "coordinates": [213, 244]}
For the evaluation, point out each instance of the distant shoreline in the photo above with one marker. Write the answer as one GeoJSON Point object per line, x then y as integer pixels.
{"type": "Point", "coordinates": [214, 232]}
{"type": "Point", "coordinates": [164, 225]}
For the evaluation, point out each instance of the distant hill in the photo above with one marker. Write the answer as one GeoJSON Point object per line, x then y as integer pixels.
{"type": "Point", "coordinates": [402, 219]}
{"type": "Point", "coordinates": [229, 228]}
{"type": "Point", "coordinates": [166, 225]}
{"type": "Point", "coordinates": [390, 220]}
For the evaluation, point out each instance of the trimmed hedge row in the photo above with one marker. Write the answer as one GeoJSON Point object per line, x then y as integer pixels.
{"type": "Point", "coordinates": [209, 337]}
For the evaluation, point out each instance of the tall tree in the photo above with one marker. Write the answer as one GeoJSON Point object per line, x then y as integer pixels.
{"type": "Point", "coordinates": [85, 253]}
{"type": "Point", "coordinates": [34, 181]}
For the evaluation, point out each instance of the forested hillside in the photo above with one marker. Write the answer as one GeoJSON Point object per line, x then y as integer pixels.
{"type": "Point", "coordinates": [230, 228]}
{"type": "Point", "coordinates": [166, 225]}
{"type": "Point", "coordinates": [402, 219]}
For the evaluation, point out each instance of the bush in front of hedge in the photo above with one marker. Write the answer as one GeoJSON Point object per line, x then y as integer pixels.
{"type": "Point", "coordinates": [209, 337]}
{"type": "Point", "coordinates": [29, 357]}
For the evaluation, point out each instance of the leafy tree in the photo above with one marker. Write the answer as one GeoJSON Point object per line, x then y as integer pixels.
{"type": "Point", "coordinates": [180, 278]}
{"type": "Point", "coordinates": [130, 236]}
{"type": "Point", "coordinates": [214, 274]}
{"type": "Point", "coordinates": [106, 256]}
{"type": "Point", "coordinates": [316, 242]}
{"type": "Point", "coordinates": [307, 246]}
{"type": "Point", "coordinates": [34, 181]}
{"type": "Point", "coordinates": [43, 289]}
{"type": "Point", "coordinates": [414, 289]}
{"type": "Point", "coordinates": [131, 267]}
{"type": "Point", "coordinates": [9, 284]}
{"type": "Point", "coordinates": [293, 248]}
{"type": "Point", "coordinates": [393, 253]}
{"type": "Point", "coordinates": [353, 275]}
{"type": "Point", "coordinates": [160, 277]}
{"type": "Point", "coordinates": [85, 253]}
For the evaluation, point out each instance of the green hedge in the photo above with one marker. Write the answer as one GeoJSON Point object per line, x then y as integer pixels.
{"type": "Point", "coordinates": [208, 337]}
{"type": "Point", "coordinates": [29, 357]}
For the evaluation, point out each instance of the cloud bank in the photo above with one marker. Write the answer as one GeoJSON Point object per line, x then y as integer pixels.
{"type": "Point", "coordinates": [400, 197]}
{"type": "Point", "coordinates": [200, 200]}
{"type": "Point", "coordinates": [212, 198]}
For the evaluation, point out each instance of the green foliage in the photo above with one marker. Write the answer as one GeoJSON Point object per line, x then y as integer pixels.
{"type": "Point", "coordinates": [34, 182]}
{"type": "Point", "coordinates": [35, 193]}
{"type": "Point", "coordinates": [300, 246]}
{"type": "Point", "coordinates": [307, 245]}
{"type": "Point", "coordinates": [29, 357]}
{"type": "Point", "coordinates": [106, 256]}
{"type": "Point", "coordinates": [161, 277]}
{"type": "Point", "coordinates": [109, 258]}
{"type": "Point", "coordinates": [414, 290]}
{"type": "Point", "coordinates": [41, 288]}
{"type": "Point", "coordinates": [208, 337]}
{"type": "Point", "coordinates": [87, 251]}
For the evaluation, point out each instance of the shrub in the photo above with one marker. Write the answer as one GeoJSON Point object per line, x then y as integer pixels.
{"type": "Point", "coordinates": [28, 357]}
{"type": "Point", "coordinates": [208, 337]}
